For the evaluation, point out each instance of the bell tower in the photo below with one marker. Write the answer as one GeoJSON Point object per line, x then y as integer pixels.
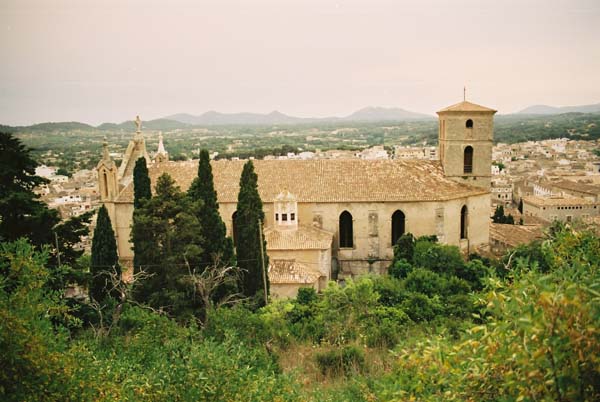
{"type": "Point", "coordinates": [466, 132]}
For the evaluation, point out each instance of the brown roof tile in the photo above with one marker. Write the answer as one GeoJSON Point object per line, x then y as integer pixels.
{"type": "Point", "coordinates": [514, 235]}
{"type": "Point", "coordinates": [327, 180]}
{"type": "Point", "coordinates": [556, 201]}
{"type": "Point", "coordinates": [466, 107]}
{"type": "Point", "coordinates": [302, 238]}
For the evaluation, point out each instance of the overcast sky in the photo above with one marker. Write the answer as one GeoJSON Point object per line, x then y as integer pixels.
{"type": "Point", "coordinates": [96, 61]}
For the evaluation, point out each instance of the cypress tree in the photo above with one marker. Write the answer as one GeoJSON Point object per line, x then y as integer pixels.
{"type": "Point", "coordinates": [249, 213]}
{"type": "Point", "coordinates": [214, 233]}
{"type": "Point", "coordinates": [166, 237]}
{"type": "Point", "coordinates": [520, 206]}
{"type": "Point", "coordinates": [104, 257]}
{"type": "Point", "coordinates": [141, 182]}
{"type": "Point", "coordinates": [141, 191]}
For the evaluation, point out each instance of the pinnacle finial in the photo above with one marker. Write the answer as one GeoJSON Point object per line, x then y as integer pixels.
{"type": "Point", "coordinates": [465, 93]}
{"type": "Point", "coordinates": [105, 154]}
{"type": "Point", "coordinates": [138, 124]}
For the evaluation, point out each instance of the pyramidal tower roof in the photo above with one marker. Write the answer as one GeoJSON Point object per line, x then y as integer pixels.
{"type": "Point", "coordinates": [466, 106]}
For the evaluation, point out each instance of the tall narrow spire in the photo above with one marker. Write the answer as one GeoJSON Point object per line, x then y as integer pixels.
{"type": "Point", "coordinates": [464, 93]}
{"type": "Point", "coordinates": [161, 146]}
{"type": "Point", "coordinates": [105, 154]}
{"type": "Point", "coordinates": [161, 153]}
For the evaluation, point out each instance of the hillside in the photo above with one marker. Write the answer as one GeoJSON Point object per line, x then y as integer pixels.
{"type": "Point", "coordinates": [548, 110]}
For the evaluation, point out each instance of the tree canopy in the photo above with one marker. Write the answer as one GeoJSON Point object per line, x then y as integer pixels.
{"type": "Point", "coordinates": [21, 213]}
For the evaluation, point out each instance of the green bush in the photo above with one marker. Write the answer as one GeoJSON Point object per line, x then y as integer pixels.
{"type": "Point", "coordinates": [425, 281]}
{"type": "Point", "coordinates": [420, 307]}
{"type": "Point", "coordinates": [345, 361]}
{"type": "Point", "coordinates": [306, 296]}
{"type": "Point", "coordinates": [385, 325]}
{"type": "Point", "coordinates": [390, 290]}
{"type": "Point", "coordinates": [400, 269]}
{"type": "Point", "coordinates": [439, 258]}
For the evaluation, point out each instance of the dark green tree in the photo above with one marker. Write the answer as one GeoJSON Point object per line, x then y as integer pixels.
{"type": "Point", "coordinates": [65, 249]}
{"type": "Point", "coordinates": [105, 260]}
{"type": "Point", "coordinates": [216, 245]}
{"type": "Point", "coordinates": [141, 182]}
{"type": "Point", "coordinates": [166, 234]}
{"type": "Point", "coordinates": [404, 247]}
{"type": "Point", "coordinates": [248, 222]}
{"type": "Point", "coordinates": [499, 216]}
{"type": "Point", "coordinates": [21, 213]}
{"type": "Point", "coordinates": [520, 206]}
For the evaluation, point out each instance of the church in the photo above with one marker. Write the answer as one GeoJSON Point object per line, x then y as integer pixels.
{"type": "Point", "coordinates": [336, 218]}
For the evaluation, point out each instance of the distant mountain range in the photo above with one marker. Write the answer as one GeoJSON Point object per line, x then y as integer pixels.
{"type": "Point", "coordinates": [367, 114]}
{"type": "Point", "coordinates": [212, 118]}
{"type": "Point", "coordinates": [545, 109]}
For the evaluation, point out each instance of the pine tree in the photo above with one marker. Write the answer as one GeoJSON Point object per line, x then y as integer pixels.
{"type": "Point", "coordinates": [104, 257]}
{"type": "Point", "coordinates": [141, 182]}
{"type": "Point", "coordinates": [249, 215]}
{"type": "Point", "coordinates": [22, 214]}
{"type": "Point", "coordinates": [216, 244]}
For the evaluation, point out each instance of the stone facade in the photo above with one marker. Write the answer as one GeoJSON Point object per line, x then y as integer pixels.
{"type": "Point", "coordinates": [565, 209]}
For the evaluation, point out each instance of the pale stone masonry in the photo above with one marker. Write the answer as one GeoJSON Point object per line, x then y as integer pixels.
{"type": "Point", "coordinates": [327, 218]}
{"type": "Point", "coordinates": [564, 209]}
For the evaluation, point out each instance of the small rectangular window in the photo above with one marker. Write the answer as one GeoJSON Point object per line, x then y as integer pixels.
{"type": "Point", "coordinates": [276, 217]}
{"type": "Point", "coordinates": [292, 216]}
{"type": "Point", "coordinates": [284, 217]}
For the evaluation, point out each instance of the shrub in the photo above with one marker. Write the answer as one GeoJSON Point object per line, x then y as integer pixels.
{"type": "Point", "coordinates": [404, 247]}
{"type": "Point", "coordinates": [424, 281]}
{"type": "Point", "coordinates": [400, 268]}
{"type": "Point", "coordinates": [306, 296]}
{"type": "Point", "coordinates": [473, 272]}
{"type": "Point", "coordinates": [419, 307]}
{"type": "Point", "coordinates": [391, 291]}
{"type": "Point", "coordinates": [384, 326]}
{"type": "Point", "coordinates": [341, 361]}
{"type": "Point", "coordinates": [439, 258]}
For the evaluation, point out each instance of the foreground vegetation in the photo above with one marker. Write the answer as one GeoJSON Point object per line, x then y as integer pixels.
{"type": "Point", "coordinates": [525, 328]}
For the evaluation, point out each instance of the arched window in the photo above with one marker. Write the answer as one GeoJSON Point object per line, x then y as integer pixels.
{"type": "Point", "coordinates": [398, 225]}
{"type": "Point", "coordinates": [469, 123]}
{"type": "Point", "coordinates": [464, 223]}
{"type": "Point", "coordinates": [346, 232]}
{"type": "Point", "coordinates": [105, 185]}
{"type": "Point", "coordinates": [468, 160]}
{"type": "Point", "coordinates": [234, 228]}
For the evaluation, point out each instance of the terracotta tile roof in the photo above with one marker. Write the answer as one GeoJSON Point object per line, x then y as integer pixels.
{"type": "Point", "coordinates": [327, 180]}
{"type": "Point", "coordinates": [579, 187]}
{"type": "Point", "coordinates": [466, 107]}
{"type": "Point", "coordinates": [513, 235]}
{"type": "Point", "coordinates": [556, 201]}
{"type": "Point", "coordinates": [291, 271]}
{"type": "Point", "coordinates": [302, 238]}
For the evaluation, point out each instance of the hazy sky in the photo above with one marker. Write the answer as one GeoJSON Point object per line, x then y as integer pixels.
{"type": "Point", "coordinates": [96, 61]}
